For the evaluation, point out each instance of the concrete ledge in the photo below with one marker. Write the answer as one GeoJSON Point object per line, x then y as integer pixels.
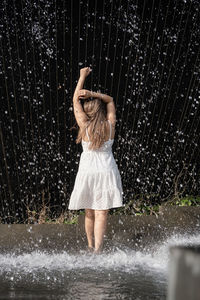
{"type": "Point", "coordinates": [144, 231]}
{"type": "Point", "coordinates": [25, 237]}
{"type": "Point", "coordinates": [135, 232]}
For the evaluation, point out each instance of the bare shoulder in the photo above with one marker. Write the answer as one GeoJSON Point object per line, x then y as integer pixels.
{"type": "Point", "coordinates": [111, 113]}
{"type": "Point", "coordinates": [84, 124]}
{"type": "Point", "coordinates": [112, 120]}
{"type": "Point", "coordinates": [112, 128]}
{"type": "Point", "coordinates": [80, 115]}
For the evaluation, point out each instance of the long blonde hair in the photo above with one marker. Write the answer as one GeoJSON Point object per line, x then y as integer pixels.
{"type": "Point", "coordinates": [95, 110]}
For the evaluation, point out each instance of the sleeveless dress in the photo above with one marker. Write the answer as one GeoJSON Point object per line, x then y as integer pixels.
{"type": "Point", "coordinates": [98, 182]}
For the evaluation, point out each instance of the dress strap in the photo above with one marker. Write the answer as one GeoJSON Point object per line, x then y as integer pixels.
{"type": "Point", "coordinates": [87, 134]}
{"type": "Point", "coordinates": [110, 129]}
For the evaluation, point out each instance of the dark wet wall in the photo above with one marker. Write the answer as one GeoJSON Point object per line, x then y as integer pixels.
{"type": "Point", "coordinates": [143, 53]}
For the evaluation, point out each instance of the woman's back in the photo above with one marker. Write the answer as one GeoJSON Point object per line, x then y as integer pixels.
{"type": "Point", "coordinates": [85, 138]}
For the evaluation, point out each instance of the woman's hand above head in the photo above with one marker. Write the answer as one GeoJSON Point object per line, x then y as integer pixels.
{"type": "Point", "coordinates": [85, 71]}
{"type": "Point", "coordinates": [84, 94]}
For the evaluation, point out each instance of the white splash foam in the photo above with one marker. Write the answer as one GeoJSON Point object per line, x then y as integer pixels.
{"type": "Point", "coordinates": [126, 260]}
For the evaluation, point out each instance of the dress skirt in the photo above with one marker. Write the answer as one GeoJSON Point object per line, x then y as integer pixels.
{"type": "Point", "coordinates": [98, 182]}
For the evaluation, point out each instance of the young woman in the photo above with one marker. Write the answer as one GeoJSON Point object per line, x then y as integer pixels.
{"type": "Point", "coordinates": [98, 185]}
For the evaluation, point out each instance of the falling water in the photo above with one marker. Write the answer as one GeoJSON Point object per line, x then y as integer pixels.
{"type": "Point", "coordinates": [143, 53]}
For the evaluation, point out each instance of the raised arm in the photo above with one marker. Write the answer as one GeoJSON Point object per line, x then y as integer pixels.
{"type": "Point", "coordinates": [84, 72]}
{"type": "Point", "coordinates": [80, 115]}
{"type": "Point", "coordinates": [111, 111]}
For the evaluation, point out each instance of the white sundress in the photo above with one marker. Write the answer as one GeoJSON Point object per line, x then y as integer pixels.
{"type": "Point", "coordinates": [98, 182]}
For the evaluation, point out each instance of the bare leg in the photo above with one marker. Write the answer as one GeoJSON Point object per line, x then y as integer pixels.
{"type": "Point", "coordinates": [100, 225]}
{"type": "Point", "coordinates": [89, 226]}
